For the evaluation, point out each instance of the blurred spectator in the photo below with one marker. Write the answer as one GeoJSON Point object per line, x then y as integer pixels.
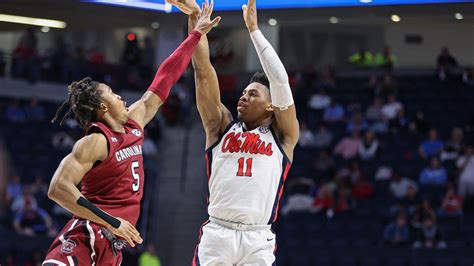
{"type": "Point", "coordinates": [25, 57]}
{"type": "Point", "coordinates": [343, 201]}
{"type": "Point", "coordinates": [299, 198]}
{"type": "Point", "coordinates": [95, 63]}
{"type": "Point", "coordinates": [62, 141]}
{"type": "Point", "coordinates": [348, 147]}
{"type": "Point", "coordinates": [172, 110]}
{"type": "Point", "coordinates": [368, 147]}
{"type": "Point", "coordinates": [362, 189]}
{"type": "Point", "coordinates": [333, 113]}
{"type": "Point", "coordinates": [36, 259]}
{"type": "Point", "coordinates": [14, 189]}
{"type": "Point", "coordinates": [397, 232]}
{"type": "Point", "coordinates": [19, 202]}
{"type": "Point", "coordinates": [451, 204]}
{"type": "Point", "coordinates": [362, 59]}
{"type": "Point", "coordinates": [389, 85]}
{"type": "Point", "coordinates": [429, 236]}
{"type": "Point", "coordinates": [31, 221]}
{"type": "Point", "coordinates": [149, 257]}
{"type": "Point", "coordinates": [374, 111]}
{"type": "Point", "coordinates": [319, 100]}
{"type": "Point", "coordinates": [399, 186]}
{"type": "Point", "coordinates": [39, 189]}
{"type": "Point", "coordinates": [446, 63]}
{"type": "Point", "coordinates": [149, 147]}
{"type": "Point", "coordinates": [399, 123]}
{"type": "Point", "coordinates": [323, 137]}
{"type": "Point", "coordinates": [57, 58]}
{"type": "Point", "coordinates": [357, 123]}
{"type": "Point", "coordinates": [385, 59]}
{"type": "Point", "coordinates": [466, 177]}
{"type": "Point", "coordinates": [307, 139]}
{"type": "Point", "coordinates": [349, 174]}
{"type": "Point", "coordinates": [432, 146]}
{"type": "Point", "coordinates": [75, 65]}
{"type": "Point", "coordinates": [423, 211]}
{"type": "Point", "coordinates": [434, 175]}
{"type": "Point", "coordinates": [328, 79]}
{"type": "Point", "coordinates": [453, 147]}
{"type": "Point", "coordinates": [323, 162]}
{"type": "Point", "coordinates": [14, 113]}
{"type": "Point", "coordinates": [34, 111]}
{"type": "Point", "coordinates": [467, 76]}
{"type": "Point", "coordinates": [324, 200]}
{"type": "Point", "coordinates": [132, 53]}
{"type": "Point", "coordinates": [148, 61]}
{"type": "Point", "coordinates": [391, 108]}
{"type": "Point", "coordinates": [3, 64]}
{"type": "Point", "coordinates": [419, 124]}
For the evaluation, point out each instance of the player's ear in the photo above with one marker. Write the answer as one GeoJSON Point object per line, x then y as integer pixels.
{"type": "Point", "coordinates": [103, 107]}
{"type": "Point", "coordinates": [270, 108]}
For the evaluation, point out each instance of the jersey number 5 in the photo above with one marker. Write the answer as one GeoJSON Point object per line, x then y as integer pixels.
{"type": "Point", "coordinates": [136, 176]}
{"type": "Point", "coordinates": [248, 169]}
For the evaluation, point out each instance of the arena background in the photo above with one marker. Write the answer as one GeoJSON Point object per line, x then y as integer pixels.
{"type": "Point", "coordinates": [349, 193]}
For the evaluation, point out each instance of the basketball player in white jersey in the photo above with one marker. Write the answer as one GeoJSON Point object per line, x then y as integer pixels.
{"type": "Point", "coordinates": [248, 159]}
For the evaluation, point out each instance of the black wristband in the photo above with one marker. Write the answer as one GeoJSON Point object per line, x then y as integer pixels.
{"type": "Point", "coordinates": [114, 222]}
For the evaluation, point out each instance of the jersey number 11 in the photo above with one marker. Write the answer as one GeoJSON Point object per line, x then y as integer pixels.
{"type": "Point", "coordinates": [248, 169]}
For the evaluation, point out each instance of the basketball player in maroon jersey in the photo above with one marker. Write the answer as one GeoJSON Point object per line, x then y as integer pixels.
{"type": "Point", "coordinates": [108, 161]}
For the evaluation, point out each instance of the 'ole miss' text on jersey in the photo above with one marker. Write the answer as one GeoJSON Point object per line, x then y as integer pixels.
{"type": "Point", "coordinates": [246, 170]}
{"type": "Point", "coordinates": [115, 185]}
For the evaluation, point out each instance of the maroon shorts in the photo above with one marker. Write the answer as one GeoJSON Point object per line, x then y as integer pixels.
{"type": "Point", "coordinates": [79, 243]}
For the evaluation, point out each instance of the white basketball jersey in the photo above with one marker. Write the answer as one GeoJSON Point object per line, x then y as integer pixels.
{"type": "Point", "coordinates": [246, 171]}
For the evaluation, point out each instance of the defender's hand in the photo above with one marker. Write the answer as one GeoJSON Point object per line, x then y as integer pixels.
{"type": "Point", "coordinates": [188, 7]}
{"type": "Point", "coordinates": [250, 15]}
{"type": "Point", "coordinates": [127, 231]}
{"type": "Point", "coordinates": [204, 23]}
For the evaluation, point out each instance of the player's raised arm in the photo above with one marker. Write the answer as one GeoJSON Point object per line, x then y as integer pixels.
{"type": "Point", "coordinates": [214, 115]}
{"type": "Point", "coordinates": [63, 188]}
{"type": "Point", "coordinates": [170, 71]}
{"type": "Point", "coordinates": [281, 95]}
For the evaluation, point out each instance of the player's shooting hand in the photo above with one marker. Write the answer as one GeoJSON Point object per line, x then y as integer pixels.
{"type": "Point", "coordinates": [250, 15]}
{"type": "Point", "coordinates": [188, 7]}
{"type": "Point", "coordinates": [204, 23]}
{"type": "Point", "coordinates": [127, 231]}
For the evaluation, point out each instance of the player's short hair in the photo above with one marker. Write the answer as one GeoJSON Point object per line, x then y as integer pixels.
{"type": "Point", "coordinates": [260, 77]}
{"type": "Point", "coordinates": [84, 98]}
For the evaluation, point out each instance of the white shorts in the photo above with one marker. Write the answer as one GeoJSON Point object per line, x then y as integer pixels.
{"type": "Point", "coordinates": [222, 246]}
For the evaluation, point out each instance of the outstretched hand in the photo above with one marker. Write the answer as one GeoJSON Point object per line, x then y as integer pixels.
{"type": "Point", "coordinates": [250, 15]}
{"type": "Point", "coordinates": [204, 23]}
{"type": "Point", "coordinates": [188, 7]}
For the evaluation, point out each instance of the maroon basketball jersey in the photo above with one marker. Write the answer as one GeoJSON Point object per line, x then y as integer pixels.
{"type": "Point", "coordinates": [115, 185]}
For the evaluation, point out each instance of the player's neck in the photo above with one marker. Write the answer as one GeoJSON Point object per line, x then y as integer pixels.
{"type": "Point", "coordinates": [114, 125]}
{"type": "Point", "coordinates": [252, 126]}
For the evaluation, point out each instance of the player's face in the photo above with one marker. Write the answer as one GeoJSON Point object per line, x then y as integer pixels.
{"type": "Point", "coordinates": [116, 107]}
{"type": "Point", "coordinates": [253, 104]}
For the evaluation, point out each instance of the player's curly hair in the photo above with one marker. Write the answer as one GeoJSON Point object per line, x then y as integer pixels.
{"type": "Point", "coordinates": [260, 77]}
{"type": "Point", "coordinates": [84, 99]}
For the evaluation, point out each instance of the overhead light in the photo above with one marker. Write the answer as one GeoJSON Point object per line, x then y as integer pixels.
{"type": "Point", "coordinates": [155, 25]}
{"type": "Point", "coordinates": [395, 18]}
{"type": "Point", "coordinates": [458, 16]}
{"type": "Point", "coordinates": [45, 29]}
{"type": "Point", "coordinates": [333, 20]}
{"type": "Point", "coordinates": [272, 22]}
{"type": "Point", "coordinates": [33, 21]}
{"type": "Point", "coordinates": [365, 1]}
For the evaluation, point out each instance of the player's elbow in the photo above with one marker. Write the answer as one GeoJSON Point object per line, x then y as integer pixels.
{"type": "Point", "coordinates": [54, 191]}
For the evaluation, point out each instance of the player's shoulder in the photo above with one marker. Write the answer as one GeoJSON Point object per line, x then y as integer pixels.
{"type": "Point", "coordinates": [91, 147]}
